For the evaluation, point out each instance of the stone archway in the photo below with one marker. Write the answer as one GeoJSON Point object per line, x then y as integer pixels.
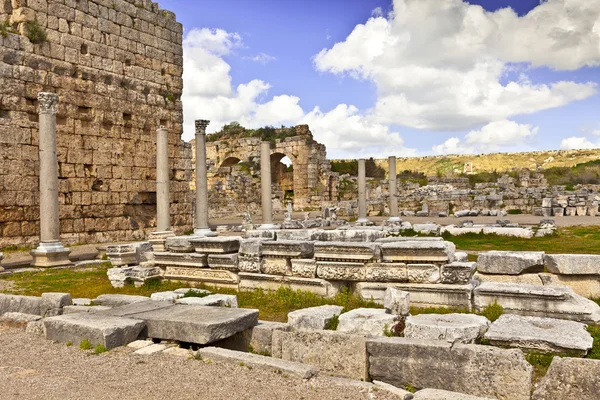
{"type": "Point", "coordinates": [230, 162]}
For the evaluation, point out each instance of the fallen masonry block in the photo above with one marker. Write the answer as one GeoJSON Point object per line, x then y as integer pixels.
{"type": "Point", "coordinates": [49, 304]}
{"type": "Point", "coordinates": [332, 352]}
{"type": "Point", "coordinates": [81, 302]}
{"type": "Point", "coordinates": [573, 264]}
{"type": "Point", "coordinates": [322, 287]}
{"type": "Point", "coordinates": [570, 378]}
{"type": "Point", "coordinates": [152, 349]}
{"type": "Point", "coordinates": [187, 323]}
{"type": "Point", "coordinates": [218, 300]}
{"type": "Point", "coordinates": [261, 335]}
{"type": "Point", "coordinates": [219, 278]}
{"type": "Point", "coordinates": [288, 249]}
{"type": "Point", "coordinates": [587, 286]}
{"type": "Point", "coordinates": [457, 272]}
{"type": "Point", "coordinates": [107, 330]}
{"type": "Point", "coordinates": [453, 328]}
{"type": "Point", "coordinates": [367, 321]}
{"type": "Point", "coordinates": [216, 245]}
{"type": "Point", "coordinates": [227, 262]}
{"type": "Point", "coordinates": [386, 272]}
{"type": "Point", "coordinates": [35, 328]}
{"type": "Point", "coordinates": [536, 300]}
{"type": "Point", "coordinates": [178, 352]}
{"type": "Point", "coordinates": [179, 244]}
{"type": "Point", "coordinates": [351, 235]}
{"type": "Point", "coordinates": [546, 335]}
{"type": "Point", "coordinates": [396, 301]}
{"type": "Point", "coordinates": [418, 251]}
{"type": "Point", "coordinates": [436, 394]}
{"type": "Point", "coordinates": [17, 319]}
{"type": "Point", "coordinates": [351, 252]}
{"type": "Point", "coordinates": [128, 253]}
{"type": "Point", "coordinates": [313, 318]}
{"type": "Point", "coordinates": [465, 368]}
{"type": "Point", "coordinates": [84, 309]}
{"type": "Point", "coordinates": [510, 262]}
{"type": "Point", "coordinates": [165, 296]}
{"type": "Point", "coordinates": [138, 344]}
{"type": "Point", "coordinates": [397, 392]}
{"type": "Point", "coordinates": [183, 291]}
{"type": "Point", "coordinates": [117, 300]}
{"type": "Point", "coordinates": [168, 259]}
{"type": "Point", "coordinates": [341, 271]}
{"type": "Point", "coordinates": [259, 362]}
{"type": "Point", "coordinates": [250, 247]}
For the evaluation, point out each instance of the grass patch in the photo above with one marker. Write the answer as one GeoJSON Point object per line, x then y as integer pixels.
{"type": "Point", "coordinates": [492, 311]}
{"type": "Point", "coordinates": [100, 349]}
{"type": "Point", "coordinates": [540, 362]}
{"type": "Point", "coordinates": [85, 345]}
{"type": "Point", "coordinates": [571, 240]}
{"type": "Point", "coordinates": [194, 293]}
{"type": "Point", "coordinates": [595, 352]}
{"type": "Point", "coordinates": [332, 323]}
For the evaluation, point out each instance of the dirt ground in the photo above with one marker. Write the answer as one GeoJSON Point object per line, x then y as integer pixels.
{"type": "Point", "coordinates": [34, 368]}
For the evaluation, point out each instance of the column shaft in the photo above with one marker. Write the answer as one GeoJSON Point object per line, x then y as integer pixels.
{"type": "Point", "coordinates": [265, 184]}
{"type": "Point", "coordinates": [49, 223]}
{"type": "Point", "coordinates": [393, 187]}
{"type": "Point", "coordinates": [362, 191]}
{"type": "Point", "coordinates": [201, 177]}
{"type": "Point", "coordinates": [163, 203]}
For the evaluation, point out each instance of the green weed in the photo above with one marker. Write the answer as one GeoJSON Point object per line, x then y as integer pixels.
{"type": "Point", "coordinates": [34, 32]}
{"type": "Point", "coordinates": [100, 349]}
{"type": "Point", "coordinates": [85, 345]}
{"type": "Point", "coordinates": [492, 311]}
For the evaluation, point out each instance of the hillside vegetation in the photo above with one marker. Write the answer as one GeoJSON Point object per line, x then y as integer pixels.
{"type": "Point", "coordinates": [453, 165]}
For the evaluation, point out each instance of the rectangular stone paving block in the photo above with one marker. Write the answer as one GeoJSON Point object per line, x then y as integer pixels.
{"type": "Point", "coordinates": [196, 324]}
{"type": "Point", "coordinates": [478, 370]}
{"type": "Point", "coordinates": [332, 352]}
{"type": "Point", "coordinates": [108, 330]}
{"type": "Point", "coordinates": [258, 361]}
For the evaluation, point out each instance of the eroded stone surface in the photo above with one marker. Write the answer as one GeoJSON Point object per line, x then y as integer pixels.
{"type": "Point", "coordinates": [118, 300]}
{"type": "Point", "coordinates": [510, 262]}
{"type": "Point", "coordinates": [540, 334]}
{"type": "Point", "coordinates": [218, 300]}
{"type": "Point", "coordinates": [457, 272]}
{"type": "Point", "coordinates": [436, 394]}
{"type": "Point", "coordinates": [313, 318]}
{"type": "Point", "coordinates": [568, 379]}
{"type": "Point", "coordinates": [573, 264]}
{"type": "Point", "coordinates": [396, 301]}
{"type": "Point", "coordinates": [453, 328]}
{"type": "Point", "coordinates": [366, 321]}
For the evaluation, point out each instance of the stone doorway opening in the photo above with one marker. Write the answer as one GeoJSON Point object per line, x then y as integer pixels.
{"type": "Point", "coordinates": [282, 178]}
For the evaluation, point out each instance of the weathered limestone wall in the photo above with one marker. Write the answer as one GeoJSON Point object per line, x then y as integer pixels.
{"type": "Point", "coordinates": [116, 66]}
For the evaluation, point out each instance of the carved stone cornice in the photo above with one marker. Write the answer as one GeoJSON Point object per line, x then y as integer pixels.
{"type": "Point", "coordinates": [48, 102]}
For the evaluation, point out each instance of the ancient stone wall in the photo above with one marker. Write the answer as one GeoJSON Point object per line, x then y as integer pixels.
{"type": "Point", "coordinates": [117, 68]}
{"type": "Point", "coordinates": [234, 174]}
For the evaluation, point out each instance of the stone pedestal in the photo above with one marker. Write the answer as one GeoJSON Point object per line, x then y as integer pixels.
{"type": "Point", "coordinates": [265, 186]}
{"type": "Point", "coordinates": [362, 193]}
{"type": "Point", "coordinates": [201, 226]}
{"type": "Point", "coordinates": [394, 217]}
{"type": "Point", "coordinates": [50, 252]}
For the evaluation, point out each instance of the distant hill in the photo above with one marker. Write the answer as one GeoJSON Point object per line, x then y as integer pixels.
{"type": "Point", "coordinates": [450, 165]}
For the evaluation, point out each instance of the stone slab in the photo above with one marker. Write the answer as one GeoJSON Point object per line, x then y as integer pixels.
{"type": "Point", "coordinates": [351, 252]}
{"type": "Point", "coordinates": [510, 262]}
{"type": "Point", "coordinates": [547, 335]}
{"type": "Point", "coordinates": [217, 300]}
{"type": "Point", "coordinates": [228, 262]}
{"type": "Point", "coordinates": [436, 394]}
{"type": "Point", "coordinates": [367, 321]}
{"type": "Point", "coordinates": [457, 273]}
{"type": "Point", "coordinates": [313, 318]}
{"type": "Point", "coordinates": [118, 300]}
{"type": "Point", "coordinates": [107, 330]}
{"type": "Point", "coordinates": [138, 307]}
{"type": "Point", "coordinates": [169, 259]}
{"type": "Point", "coordinates": [196, 324]}
{"type": "Point", "coordinates": [216, 245]}
{"type": "Point", "coordinates": [465, 368]}
{"type": "Point", "coordinates": [84, 309]}
{"type": "Point", "coordinates": [416, 251]}
{"type": "Point", "coordinates": [568, 379]}
{"type": "Point", "coordinates": [396, 301]}
{"type": "Point", "coordinates": [17, 319]}
{"type": "Point", "coordinates": [304, 268]}
{"type": "Point", "coordinates": [288, 248]}
{"type": "Point", "coordinates": [398, 393]}
{"type": "Point", "coordinates": [179, 244]}
{"type": "Point", "coordinates": [253, 361]}
{"type": "Point", "coordinates": [386, 272]}
{"type": "Point", "coordinates": [573, 264]}
{"type": "Point", "coordinates": [332, 352]}
{"type": "Point", "coordinates": [453, 328]}
{"type": "Point", "coordinates": [138, 344]}
{"type": "Point", "coordinates": [49, 304]}
{"type": "Point", "coordinates": [587, 286]}
{"type": "Point", "coordinates": [202, 275]}
{"type": "Point", "coordinates": [341, 271]}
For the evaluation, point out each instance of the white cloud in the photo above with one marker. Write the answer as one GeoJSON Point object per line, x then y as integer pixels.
{"type": "Point", "coordinates": [440, 64]}
{"type": "Point", "coordinates": [262, 58]}
{"type": "Point", "coordinates": [347, 133]}
{"type": "Point", "coordinates": [377, 12]}
{"type": "Point", "coordinates": [489, 138]}
{"type": "Point", "coordinates": [577, 143]}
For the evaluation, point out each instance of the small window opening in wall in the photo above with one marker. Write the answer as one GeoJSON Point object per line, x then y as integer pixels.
{"type": "Point", "coordinates": [84, 110]}
{"type": "Point", "coordinates": [29, 101]}
{"type": "Point", "coordinates": [107, 125]}
{"type": "Point", "coordinates": [127, 117]}
{"type": "Point", "coordinates": [163, 71]}
{"type": "Point", "coordinates": [84, 48]}
{"type": "Point", "coordinates": [163, 122]}
{"type": "Point", "coordinates": [128, 62]}
{"type": "Point", "coordinates": [97, 185]}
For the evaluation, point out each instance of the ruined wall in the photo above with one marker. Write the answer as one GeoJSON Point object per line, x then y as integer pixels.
{"type": "Point", "coordinates": [234, 174]}
{"type": "Point", "coordinates": [117, 68]}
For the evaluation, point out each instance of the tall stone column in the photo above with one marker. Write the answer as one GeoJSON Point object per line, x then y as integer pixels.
{"type": "Point", "coordinates": [394, 217]}
{"type": "Point", "coordinates": [201, 224]}
{"type": "Point", "coordinates": [362, 193]}
{"type": "Point", "coordinates": [265, 186]}
{"type": "Point", "coordinates": [163, 203]}
{"type": "Point", "coordinates": [50, 252]}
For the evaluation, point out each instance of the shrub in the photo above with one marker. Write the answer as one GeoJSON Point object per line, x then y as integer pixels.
{"type": "Point", "coordinates": [492, 311]}
{"type": "Point", "coordinates": [5, 29]}
{"type": "Point", "coordinates": [34, 32]}
{"type": "Point", "coordinates": [85, 345]}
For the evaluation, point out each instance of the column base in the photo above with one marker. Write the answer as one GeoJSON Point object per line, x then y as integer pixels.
{"type": "Point", "coordinates": [205, 232]}
{"type": "Point", "coordinates": [158, 239]}
{"type": "Point", "coordinates": [50, 255]}
{"type": "Point", "coordinates": [394, 219]}
{"type": "Point", "coordinates": [265, 227]}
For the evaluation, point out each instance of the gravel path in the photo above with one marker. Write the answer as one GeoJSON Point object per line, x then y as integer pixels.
{"type": "Point", "coordinates": [34, 368]}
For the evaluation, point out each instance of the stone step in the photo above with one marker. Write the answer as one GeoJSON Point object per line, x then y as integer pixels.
{"type": "Point", "coordinates": [259, 362]}
{"type": "Point", "coordinates": [107, 330]}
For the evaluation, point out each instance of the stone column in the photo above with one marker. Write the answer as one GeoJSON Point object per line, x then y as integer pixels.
{"type": "Point", "coordinates": [50, 252]}
{"type": "Point", "coordinates": [163, 203]}
{"type": "Point", "coordinates": [201, 226]}
{"type": "Point", "coordinates": [362, 193]}
{"type": "Point", "coordinates": [394, 217]}
{"type": "Point", "coordinates": [265, 186]}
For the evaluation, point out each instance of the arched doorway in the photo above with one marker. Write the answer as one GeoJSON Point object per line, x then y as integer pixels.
{"type": "Point", "coordinates": [230, 162]}
{"type": "Point", "coordinates": [282, 177]}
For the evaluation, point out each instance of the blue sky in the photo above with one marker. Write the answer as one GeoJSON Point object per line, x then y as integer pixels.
{"type": "Point", "coordinates": [408, 77]}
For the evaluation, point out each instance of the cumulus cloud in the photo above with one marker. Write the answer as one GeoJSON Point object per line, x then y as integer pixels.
{"type": "Point", "coordinates": [577, 143]}
{"type": "Point", "coordinates": [262, 58]}
{"type": "Point", "coordinates": [490, 137]}
{"type": "Point", "coordinates": [440, 64]}
{"type": "Point", "coordinates": [377, 12]}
